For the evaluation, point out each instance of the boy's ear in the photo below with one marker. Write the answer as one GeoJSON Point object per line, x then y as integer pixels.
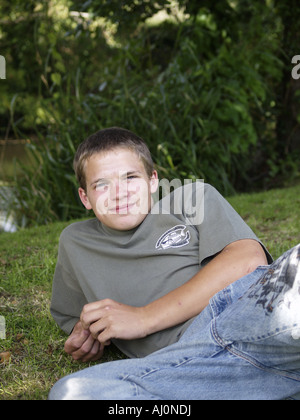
{"type": "Point", "coordinates": [84, 199]}
{"type": "Point", "coordinates": [154, 182]}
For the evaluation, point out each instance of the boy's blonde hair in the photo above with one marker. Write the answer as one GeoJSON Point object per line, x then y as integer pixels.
{"type": "Point", "coordinates": [107, 140]}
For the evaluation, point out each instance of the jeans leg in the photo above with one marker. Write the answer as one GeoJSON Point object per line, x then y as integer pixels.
{"type": "Point", "coordinates": [195, 369]}
{"type": "Point", "coordinates": [106, 381]}
{"type": "Point", "coordinates": [263, 327]}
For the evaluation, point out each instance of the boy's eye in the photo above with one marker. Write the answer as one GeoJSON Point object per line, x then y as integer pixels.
{"type": "Point", "coordinates": [101, 186]}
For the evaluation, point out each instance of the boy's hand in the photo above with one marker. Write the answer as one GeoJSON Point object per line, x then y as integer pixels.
{"type": "Point", "coordinates": [107, 319]}
{"type": "Point", "coordinates": [82, 346]}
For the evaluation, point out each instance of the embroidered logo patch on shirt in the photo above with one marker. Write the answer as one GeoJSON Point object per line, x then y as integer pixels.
{"type": "Point", "coordinates": [176, 237]}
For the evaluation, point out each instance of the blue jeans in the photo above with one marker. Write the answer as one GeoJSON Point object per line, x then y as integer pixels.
{"type": "Point", "coordinates": [244, 345]}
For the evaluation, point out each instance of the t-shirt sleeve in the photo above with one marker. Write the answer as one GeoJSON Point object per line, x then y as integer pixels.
{"type": "Point", "coordinates": [221, 225]}
{"type": "Point", "coordinates": [67, 297]}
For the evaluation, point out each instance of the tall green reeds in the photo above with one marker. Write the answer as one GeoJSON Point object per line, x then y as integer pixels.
{"type": "Point", "coordinates": [200, 110]}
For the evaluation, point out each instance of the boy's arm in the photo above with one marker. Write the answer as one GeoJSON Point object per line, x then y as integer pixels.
{"type": "Point", "coordinates": [108, 319]}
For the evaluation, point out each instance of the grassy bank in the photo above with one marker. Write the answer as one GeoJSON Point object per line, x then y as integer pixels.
{"type": "Point", "coordinates": [34, 345]}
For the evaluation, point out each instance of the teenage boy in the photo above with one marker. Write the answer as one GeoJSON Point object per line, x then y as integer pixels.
{"type": "Point", "coordinates": [163, 281]}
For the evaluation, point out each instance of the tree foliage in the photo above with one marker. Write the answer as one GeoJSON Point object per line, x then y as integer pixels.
{"type": "Point", "coordinates": [209, 88]}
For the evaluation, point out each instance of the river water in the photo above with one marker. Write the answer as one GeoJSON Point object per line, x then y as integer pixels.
{"type": "Point", "coordinates": [10, 152]}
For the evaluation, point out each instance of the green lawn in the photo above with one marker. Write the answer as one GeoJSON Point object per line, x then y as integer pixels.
{"type": "Point", "coordinates": [34, 344]}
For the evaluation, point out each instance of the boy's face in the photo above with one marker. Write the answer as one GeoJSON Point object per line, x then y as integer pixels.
{"type": "Point", "coordinates": [118, 188]}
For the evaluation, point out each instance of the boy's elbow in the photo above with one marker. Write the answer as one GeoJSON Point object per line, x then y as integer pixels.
{"type": "Point", "coordinates": [255, 255]}
{"type": "Point", "coordinates": [251, 252]}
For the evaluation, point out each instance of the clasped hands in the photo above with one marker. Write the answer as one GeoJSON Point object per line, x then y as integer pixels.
{"type": "Point", "coordinates": [99, 323]}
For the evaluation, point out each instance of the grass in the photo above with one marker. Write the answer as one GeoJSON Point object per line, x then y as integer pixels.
{"type": "Point", "coordinates": [34, 343]}
{"type": "Point", "coordinates": [33, 340]}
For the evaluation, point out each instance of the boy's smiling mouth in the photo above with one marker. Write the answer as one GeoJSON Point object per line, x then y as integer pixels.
{"type": "Point", "coordinates": [122, 209]}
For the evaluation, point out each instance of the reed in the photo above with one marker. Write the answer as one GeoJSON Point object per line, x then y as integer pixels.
{"type": "Point", "coordinates": [203, 116]}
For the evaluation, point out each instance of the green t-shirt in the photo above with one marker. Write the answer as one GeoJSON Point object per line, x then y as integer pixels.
{"type": "Point", "coordinates": [139, 266]}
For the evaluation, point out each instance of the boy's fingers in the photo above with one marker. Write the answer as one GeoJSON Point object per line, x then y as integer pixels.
{"type": "Point", "coordinates": [95, 353]}
{"type": "Point", "coordinates": [78, 353]}
{"type": "Point", "coordinates": [75, 341]}
{"type": "Point", "coordinates": [88, 350]}
{"type": "Point", "coordinates": [104, 337]}
{"type": "Point", "coordinates": [100, 304]}
{"type": "Point", "coordinates": [91, 317]}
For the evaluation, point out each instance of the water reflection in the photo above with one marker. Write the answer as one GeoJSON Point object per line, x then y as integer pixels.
{"type": "Point", "coordinates": [7, 223]}
{"type": "Point", "coordinates": [7, 220]}
{"type": "Point", "coordinates": [10, 152]}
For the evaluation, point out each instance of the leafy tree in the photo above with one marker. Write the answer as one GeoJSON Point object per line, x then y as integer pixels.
{"type": "Point", "coordinates": [208, 91]}
{"type": "Point", "coordinates": [288, 91]}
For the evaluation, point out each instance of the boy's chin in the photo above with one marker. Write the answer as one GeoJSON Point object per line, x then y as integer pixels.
{"type": "Point", "coordinates": [123, 222]}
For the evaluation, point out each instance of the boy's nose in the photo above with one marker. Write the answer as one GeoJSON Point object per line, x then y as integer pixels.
{"type": "Point", "coordinates": [118, 190]}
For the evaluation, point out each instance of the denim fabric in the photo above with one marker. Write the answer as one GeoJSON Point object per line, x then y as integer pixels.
{"type": "Point", "coordinates": [244, 345]}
